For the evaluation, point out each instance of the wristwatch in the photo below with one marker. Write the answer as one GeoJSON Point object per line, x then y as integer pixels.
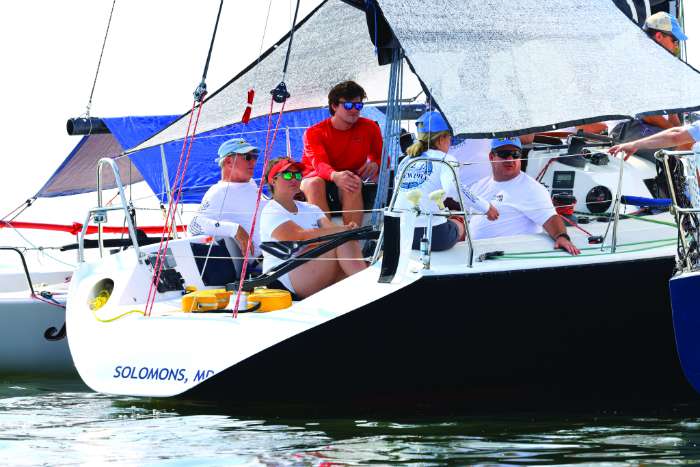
{"type": "Point", "coordinates": [563, 234]}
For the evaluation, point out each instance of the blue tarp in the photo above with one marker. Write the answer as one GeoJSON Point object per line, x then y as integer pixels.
{"type": "Point", "coordinates": [202, 171]}
{"type": "Point", "coordinates": [77, 174]}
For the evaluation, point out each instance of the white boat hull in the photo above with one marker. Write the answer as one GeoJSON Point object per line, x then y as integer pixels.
{"type": "Point", "coordinates": [30, 343]}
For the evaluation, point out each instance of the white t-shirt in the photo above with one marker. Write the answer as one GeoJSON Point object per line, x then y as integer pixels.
{"type": "Point", "coordinates": [428, 176]}
{"type": "Point", "coordinates": [523, 206]}
{"type": "Point", "coordinates": [308, 216]}
{"type": "Point", "coordinates": [225, 206]}
{"type": "Point", "coordinates": [474, 152]}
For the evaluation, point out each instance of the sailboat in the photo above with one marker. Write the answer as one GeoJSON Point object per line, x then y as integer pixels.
{"type": "Point", "coordinates": [33, 295]}
{"type": "Point", "coordinates": [503, 320]}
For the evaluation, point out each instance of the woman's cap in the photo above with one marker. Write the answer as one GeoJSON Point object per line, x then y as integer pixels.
{"type": "Point", "coordinates": [431, 122]}
{"type": "Point", "coordinates": [281, 166]}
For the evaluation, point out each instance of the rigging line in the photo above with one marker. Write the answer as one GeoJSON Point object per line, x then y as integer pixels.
{"type": "Point", "coordinates": [40, 249]}
{"type": "Point", "coordinates": [201, 90]}
{"type": "Point", "coordinates": [171, 219]}
{"type": "Point", "coordinates": [257, 205]}
{"type": "Point", "coordinates": [291, 38]}
{"type": "Point", "coordinates": [99, 62]}
{"type": "Point", "coordinates": [262, 41]}
{"type": "Point", "coordinates": [170, 205]}
{"type": "Point", "coordinates": [21, 208]}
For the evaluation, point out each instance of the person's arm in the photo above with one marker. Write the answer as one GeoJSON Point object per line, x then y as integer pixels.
{"type": "Point", "coordinates": [370, 169]}
{"type": "Point", "coordinates": [471, 201]}
{"type": "Point", "coordinates": [556, 229]}
{"type": "Point", "coordinates": [291, 231]}
{"type": "Point", "coordinates": [375, 147]}
{"type": "Point", "coordinates": [315, 150]}
{"type": "Point", "coordinates": [672, 137]}
{"type": "Point", "coordinates": [202, 225]}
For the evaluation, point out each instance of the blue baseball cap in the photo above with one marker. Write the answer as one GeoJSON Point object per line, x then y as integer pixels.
{"type": "Point", "coordinates": [499, 142]}
{"type": "Point", "coordinates": [664, 22]}
{"type": "Point", "coordinates": [431, 122]}
{"type": "Point", "coordinates": [234, 146]}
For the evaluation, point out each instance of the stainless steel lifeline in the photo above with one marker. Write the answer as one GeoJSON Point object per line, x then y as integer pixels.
{"type": "Point", "coordinates": [470, 250]}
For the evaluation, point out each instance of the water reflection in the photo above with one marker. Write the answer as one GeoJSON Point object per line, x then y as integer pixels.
{"type": "Point", "coordinates": [66, 424]}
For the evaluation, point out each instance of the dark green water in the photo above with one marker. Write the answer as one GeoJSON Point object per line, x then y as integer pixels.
{"type": "Point", "coordinates": [62, 423]}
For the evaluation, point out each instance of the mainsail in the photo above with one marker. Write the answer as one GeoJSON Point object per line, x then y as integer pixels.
{"type": "Point", "coordinates": [330, 45]}
{"type": "Point", "coordinates": [493, 68]}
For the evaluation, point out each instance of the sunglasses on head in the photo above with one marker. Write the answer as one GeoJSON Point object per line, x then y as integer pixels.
{"type": "Point", "coordinates": [514, 153]}
{"type": "Point", "coordinates": [350, 105]}
{"type": "Point", "coordinates": [289, 175]}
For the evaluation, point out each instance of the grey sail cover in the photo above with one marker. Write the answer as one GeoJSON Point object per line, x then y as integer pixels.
{"type": "Point", "coordinates": [496, 67]}
{"type": "Point", "coordinates": [331, 45]}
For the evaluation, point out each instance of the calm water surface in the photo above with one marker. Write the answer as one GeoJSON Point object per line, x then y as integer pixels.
{"type": "Point", "coordinates": [62, 423]}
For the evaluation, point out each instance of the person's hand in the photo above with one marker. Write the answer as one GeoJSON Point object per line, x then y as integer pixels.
{"type": "Point", "coordinates": [492, 213]}
{"type": "Point", "coordinates": [351, 225]}
{"type": "Point", "coordinates": [626, 148]}
{"type": "Point", "coordinates": [347, 181]}
{"type": "Point", "coordinates": [564, 243]}
{"type": "Point", "coordinates": [369, 171]}
{"type": "Point", "coordinates": [242, 238]}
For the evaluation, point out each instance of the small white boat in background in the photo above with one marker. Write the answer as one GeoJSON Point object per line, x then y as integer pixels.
{"type": "Point", "coordinates": [32, 312]}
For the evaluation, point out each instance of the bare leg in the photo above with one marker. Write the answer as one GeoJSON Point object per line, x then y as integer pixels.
{"type": "Point", "coordinates": [349, 250]}
{"type": "Point", "coordinates": [314, 189]}
{"type": "Point", "coordinates": [351, 202]}
{"type": "Point", "coordinates": [315, 275]}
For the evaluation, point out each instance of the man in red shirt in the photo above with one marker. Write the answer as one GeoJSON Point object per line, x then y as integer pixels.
{"type": "Point", "coordinates": [344, 149]}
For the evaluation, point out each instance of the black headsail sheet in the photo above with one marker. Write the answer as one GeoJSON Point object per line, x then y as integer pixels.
{"type": "Point", "coordinates": [497, 67]}
{"type": "Point", "coordinates": [330, 45]}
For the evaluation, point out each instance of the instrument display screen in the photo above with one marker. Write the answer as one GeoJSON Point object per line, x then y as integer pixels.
{"type": "Point", "coordinates": [563, 179]}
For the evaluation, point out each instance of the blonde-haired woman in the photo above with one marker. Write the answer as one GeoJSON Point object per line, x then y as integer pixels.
{"type": "Point", "coordinates": [434, 138]}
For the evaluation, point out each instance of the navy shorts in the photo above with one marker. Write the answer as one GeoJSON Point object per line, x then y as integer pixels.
{"type": "Point", "coordinates": [445, 236]}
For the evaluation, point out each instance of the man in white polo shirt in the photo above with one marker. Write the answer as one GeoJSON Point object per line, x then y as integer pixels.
{"type": "Point", "coordinates": [524, 205]}
{"type": "Point", "coordinates": [671, 137]}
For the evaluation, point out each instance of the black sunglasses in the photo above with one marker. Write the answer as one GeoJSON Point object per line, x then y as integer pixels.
{"type": "Point", "coordinates": [515, 154]}
{"type": "Point", "coordinates": [249, 156]}
{"type": "Point", "coordinates": [673, 38]}
{"type": "Point", "coordinates": [289, 175]}
{"type": "Point", "coordinates": [350, 105]}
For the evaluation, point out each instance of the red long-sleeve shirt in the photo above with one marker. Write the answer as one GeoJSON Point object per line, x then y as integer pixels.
{"type": "Point", "coordinates": [327, 150]}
